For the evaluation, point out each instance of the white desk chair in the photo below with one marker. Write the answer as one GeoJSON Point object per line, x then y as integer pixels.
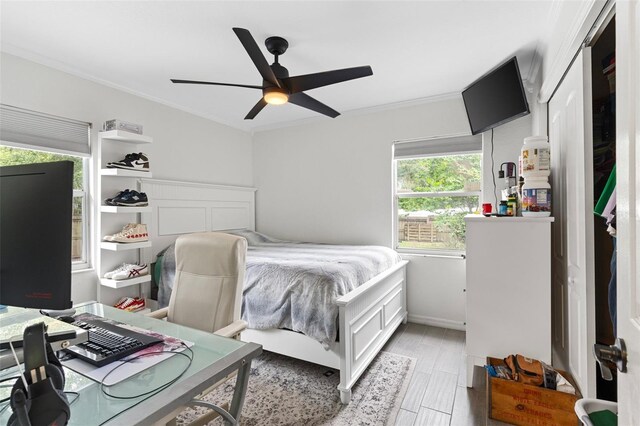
{"type": "Point", "coordinates": [207, 290]}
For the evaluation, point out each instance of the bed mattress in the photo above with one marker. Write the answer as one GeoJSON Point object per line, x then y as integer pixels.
{"type": "Point", "coordinates": [295, 285]}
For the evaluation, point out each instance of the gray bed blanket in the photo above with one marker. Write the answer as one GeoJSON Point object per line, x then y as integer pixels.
{"type": "Point", "coordinates": [294, 285]}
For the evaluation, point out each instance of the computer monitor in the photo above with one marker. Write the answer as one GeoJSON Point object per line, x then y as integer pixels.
{"type": "Point", "coordinates": [35, 235]}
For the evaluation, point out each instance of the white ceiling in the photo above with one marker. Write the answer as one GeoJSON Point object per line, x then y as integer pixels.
{"type": "Point", "coordinates": [416, 49]}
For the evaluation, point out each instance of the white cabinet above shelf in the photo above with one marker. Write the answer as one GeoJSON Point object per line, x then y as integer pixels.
{"type": "Point", "coordinates": [123, 209]}
{"type": "Point", "coordinates": [108, 245]}
{"type": "Point", "coordinates": [127, 137]}
{"type": "Point", "coordinates": [125, 173]}
{"type": "Point", "coordinates": [125, 283]}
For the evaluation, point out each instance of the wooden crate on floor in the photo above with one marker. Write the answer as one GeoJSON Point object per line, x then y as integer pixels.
{"type": "Point", "coordinates": [519, 404]}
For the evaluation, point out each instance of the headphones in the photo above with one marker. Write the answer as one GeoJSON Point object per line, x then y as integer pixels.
{"type": "Point", "coordinates": [43, 402]}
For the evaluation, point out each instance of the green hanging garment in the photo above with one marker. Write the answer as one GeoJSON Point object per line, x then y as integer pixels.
{"type": "Point", "coordinates": [606, 193]}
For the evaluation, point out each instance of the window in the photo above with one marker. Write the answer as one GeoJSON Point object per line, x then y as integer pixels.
{"type": "Point", "coordinates": [435, 190]}
{"type": "Point", "coordinates": [33, 137]}
{"type": "Point", "coordinates": [13, 156]}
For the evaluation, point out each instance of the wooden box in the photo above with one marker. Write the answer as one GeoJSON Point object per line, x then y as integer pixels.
{"type": "Point", "coordinates": [520, 404]}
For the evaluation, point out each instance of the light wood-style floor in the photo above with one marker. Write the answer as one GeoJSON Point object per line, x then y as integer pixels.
{"type": "Point", "coordinates": [437, 394]}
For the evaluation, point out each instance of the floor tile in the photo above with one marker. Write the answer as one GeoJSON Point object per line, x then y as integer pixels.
{"type": "Point", "coordinates": [427, 417]}
{"type": "Point", "coordinates": [433, 335]}
{"type": "Point", "coordinates": [448, 361]}
{"type": "Point", "coordinates": [440, 392]}
{"type": "Point", "coordinates": [406, 418]}
{"type": "Point", "coordinates": [415, 392]}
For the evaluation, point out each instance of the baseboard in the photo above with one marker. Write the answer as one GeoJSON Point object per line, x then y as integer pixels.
{"type": "Point", "coordinates": [437, 322]}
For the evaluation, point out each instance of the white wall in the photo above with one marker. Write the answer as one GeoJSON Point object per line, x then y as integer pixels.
{"type": "Point", "coordinates": [507, 142]}
{"type": "Point", "coordinates": [331, 181]}
{"type": "Point", "coordinates": [185, 147]}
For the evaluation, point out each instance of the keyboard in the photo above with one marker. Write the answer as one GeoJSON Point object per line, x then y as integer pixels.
{"type": "Point", "coordinates": [108, 342]}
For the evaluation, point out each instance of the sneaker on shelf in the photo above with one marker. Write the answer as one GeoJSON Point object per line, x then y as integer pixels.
{"type": "Point", "coordinates": [131, 234]}
{"type": "Point", "coordinates": [123, 267]}
{"type": "Point", "coordinates": [125, 228]}
{"type": "Point", "coordinates": [133, 161]}
{"type": "Point", "coordinates": [127, 303]}
{"type": "Point", "coordinates": [112, 201]}
{"type": "Point", "coordinates": [133, 271]}
{"type": "Point", "coordinates": [122, 301]}
{"type": "Point", "coordinates": [132, 199]}
{"type": "Point", "coordinates": [138, 304]}
{"type": "Point", "coordinates": [133, 304]}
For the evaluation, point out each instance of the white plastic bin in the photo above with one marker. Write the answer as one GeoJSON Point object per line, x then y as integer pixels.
{"type": "Point", "coordinates": [585, 406]}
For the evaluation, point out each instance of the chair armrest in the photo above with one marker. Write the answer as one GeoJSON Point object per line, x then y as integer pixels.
{"type": "Point", "coordinates": [232, 329]}
{"type": "Point", "coordinates": [159, 314]}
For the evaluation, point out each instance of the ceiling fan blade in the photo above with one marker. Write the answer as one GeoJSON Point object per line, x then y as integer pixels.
{"type": "Point", "coordinates": [301, 83]}
{"type": "Point", "coordinates": [256, 109]}
{"type": "Point", "coordinates": [256, 55]}
{"type": "Point", "coordinates": [308, 102]}
{"type": "Point", "coordinates": [248, 86]}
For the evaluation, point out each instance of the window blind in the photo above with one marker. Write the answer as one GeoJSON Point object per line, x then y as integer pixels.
{"type": "Point", "coordinates": [30, 129]}
{"type": "Point", "coordinates": [431, 147]}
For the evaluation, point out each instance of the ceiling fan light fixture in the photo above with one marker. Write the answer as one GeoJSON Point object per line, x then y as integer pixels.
{"type": "Point", "coordinates": [275, 97]}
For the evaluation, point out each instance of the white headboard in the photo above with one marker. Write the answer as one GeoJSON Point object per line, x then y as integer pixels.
{"type": "Point", "coordinates": [186, 207]}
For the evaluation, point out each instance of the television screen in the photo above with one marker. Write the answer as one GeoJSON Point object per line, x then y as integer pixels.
{"type": "Point", "coordinates": [496, 98]}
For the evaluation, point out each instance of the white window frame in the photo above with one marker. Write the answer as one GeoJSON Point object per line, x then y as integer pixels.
{"type": "Point", "coordinates": [85, 262]}
{"type": "Point", "coordinates": [37, 131]}
{"type": "Point", "coordinates": [397, 196]}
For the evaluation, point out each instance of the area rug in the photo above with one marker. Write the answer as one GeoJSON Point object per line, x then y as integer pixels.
{"type": "Point", "coordinates": [287, 391]}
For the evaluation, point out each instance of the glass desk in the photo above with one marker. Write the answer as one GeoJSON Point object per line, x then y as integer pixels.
{"type": "Point", "coordinates": [214, 358]}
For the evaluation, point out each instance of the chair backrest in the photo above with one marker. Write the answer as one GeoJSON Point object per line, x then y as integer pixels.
{"type": "Point", "coordinates": [207, 291]}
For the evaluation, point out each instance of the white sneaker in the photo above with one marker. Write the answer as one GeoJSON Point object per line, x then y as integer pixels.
{"type": "Point", "coordinates": [123, 267]}
{"type": "Point", "coordinates": [132, 272]}
{"type": "Point", "coordinates": [131, 233]}
{"type": "Point", "coordinates": [124, 228]}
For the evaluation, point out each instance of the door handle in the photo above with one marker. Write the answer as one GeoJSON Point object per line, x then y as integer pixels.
{"type": "Point", "coordinates": [606, 354]}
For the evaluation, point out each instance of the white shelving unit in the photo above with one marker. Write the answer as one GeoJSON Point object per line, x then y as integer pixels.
{"type": "Point", "coordinates": [126, 137]}
{"type": "Point", "coordinates": [125, 173]}
{"type": "Point", "coordinates": [121, 209]}
{"type": "Point", "coordinates": [111, 246]}
{"type": "Point", "coordinates": [125, 283]}
{"type": "Point", "coordinates": [113, 146]}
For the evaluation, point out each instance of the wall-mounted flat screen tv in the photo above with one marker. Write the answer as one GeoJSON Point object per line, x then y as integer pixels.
{"type": "Point", "coordinates": [496, 98]}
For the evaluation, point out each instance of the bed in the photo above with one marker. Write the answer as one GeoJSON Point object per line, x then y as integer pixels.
{"type": "Point", "coordinates": [342, 324]}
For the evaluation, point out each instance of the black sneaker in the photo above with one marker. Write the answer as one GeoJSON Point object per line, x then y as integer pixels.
{"type": "Point", "coordinates": [132, 199]}
{"type": "Point", "coordinates": [112, 201]}
{"type": "Point", "coordinates": [133, 161]}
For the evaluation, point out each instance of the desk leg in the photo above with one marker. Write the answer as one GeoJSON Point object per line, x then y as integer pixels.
{"type": "Point", "coordinates": [242, 381]}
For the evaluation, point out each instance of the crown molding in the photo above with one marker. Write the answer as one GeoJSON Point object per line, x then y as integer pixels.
{"type": "Point", "coordinates": [361, 111]}
{"type": "Point", "coordinates": [68, 69]}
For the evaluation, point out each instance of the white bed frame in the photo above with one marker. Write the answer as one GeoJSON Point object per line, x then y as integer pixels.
{"type": "Point", "coordinates": [368, 315]}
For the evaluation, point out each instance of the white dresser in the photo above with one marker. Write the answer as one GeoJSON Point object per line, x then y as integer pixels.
{"type": "Point", "coordinates": [508, 288]}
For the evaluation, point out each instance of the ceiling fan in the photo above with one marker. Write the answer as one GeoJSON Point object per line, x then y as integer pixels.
{"type": "Point", "coordinates": [277, 87]}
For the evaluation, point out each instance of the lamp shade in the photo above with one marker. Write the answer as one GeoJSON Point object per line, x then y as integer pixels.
{"type": "Point", "coordinates": [275, 97]}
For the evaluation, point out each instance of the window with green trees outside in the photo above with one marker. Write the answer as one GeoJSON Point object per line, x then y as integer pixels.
{"type": "Point", "coordinates": [433, 195]}
{"type": "Point", "coordinates": [10, 156]}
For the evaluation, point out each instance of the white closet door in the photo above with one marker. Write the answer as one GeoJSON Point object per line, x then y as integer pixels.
{"type": "Point", "coordinates": [628, 203]}
{"type": "Point", "coordinates": [571, 138]}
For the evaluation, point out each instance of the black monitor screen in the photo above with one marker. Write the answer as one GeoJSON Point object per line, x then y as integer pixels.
{"type": "Point", "coordinates": [496, 98]}
{"type": "Point", "coordinates": [35, 235]}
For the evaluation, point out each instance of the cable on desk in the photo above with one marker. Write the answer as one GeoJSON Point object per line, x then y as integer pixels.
{"type": "Point", "coordinates": [77, 396]}
{"type": "Point", "coordinates": [157, 389]}
{"type": "Point", "coordinates": [6, 379]}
